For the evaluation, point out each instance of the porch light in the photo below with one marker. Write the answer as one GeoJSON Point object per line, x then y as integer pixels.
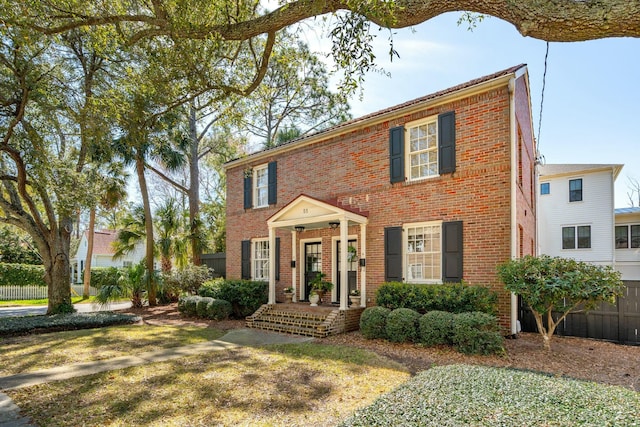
{"type": "Point", "coordinates": [299, 228]}
{"type": "Point", "coordinates": [334, 225]}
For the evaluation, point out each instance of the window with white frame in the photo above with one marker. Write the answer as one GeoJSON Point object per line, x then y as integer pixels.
{"type": "Point", "coordinates": [627, 236]}
{"type": "Point", "coordinates": [422, 148]}
{"type": "Point", "coordinates": [261, 186]}
{"type": "Point", "coordinates": [260, 259]}
{"type": "Point", "coordinates": [423, 252]}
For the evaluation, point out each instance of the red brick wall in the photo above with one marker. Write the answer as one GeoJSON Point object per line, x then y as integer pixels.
{"type": "Point", "coordinates": [354, 168]}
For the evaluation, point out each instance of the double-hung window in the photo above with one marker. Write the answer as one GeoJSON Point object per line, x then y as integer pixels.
{"type": "Point", "coordinates": [261, 186]}
{"type": "Point", "coordinates": [260, 260]}
{"type": "Point", "coordinates": [423, 252]}
{"type": "Point", "coordinates": [575, 190]}
{"type": "Point", "coordinates": [576, 237]}
{"type": "Point", "coordinates": [627, 236]}
{"type": "Point", "coordinates": [422, 152]}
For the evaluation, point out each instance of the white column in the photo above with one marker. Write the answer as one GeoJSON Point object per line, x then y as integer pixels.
{"type": "Point", "coordinates": [272, 266]}
{"type": "Point", "coordinates": [294, 269]}
{"type": "Point", "coordinates": [363, 269]}
{"type": "Point", "coordinates": [344, 273]}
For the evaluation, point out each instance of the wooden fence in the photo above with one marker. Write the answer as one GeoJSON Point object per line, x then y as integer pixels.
{"type": "Point", "coordinates": [619, 322]}
{"type": "Point", "coordinates": [218, 262]}
{"type": "Point", "coordinates": [9, 293]}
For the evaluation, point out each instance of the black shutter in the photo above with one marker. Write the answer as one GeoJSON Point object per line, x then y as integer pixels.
{"type": "Point", "coordinates": [277, 258]}
{"type": "Point", "coordinates": [452, 251]}
{"type": "Point", "coordinates": [447, 142]}
{"type": "Point", "coordinates": [273, 183]}
{"type": "Point", "coordinates": [246, 259]}
{"type": "Point", "coordinates": [396, 154]}
{"type": "Point", "coordinates": [248, 196]}
{"type": "Point", "coordinates": [393, 254]}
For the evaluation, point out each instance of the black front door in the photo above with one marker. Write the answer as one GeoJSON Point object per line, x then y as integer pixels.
{"type": "Point", "coordinates": [312, 264]}
{"type": "Point", "coordinates": [352, 268]}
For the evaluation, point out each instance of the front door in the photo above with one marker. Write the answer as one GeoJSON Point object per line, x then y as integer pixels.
{"type": "Point", "coordinates": [352, 268]}
{"type": "Point", "coordinates": [312, 264]}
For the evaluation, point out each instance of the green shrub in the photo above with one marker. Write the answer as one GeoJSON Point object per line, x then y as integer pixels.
{"type": "Point", "coordinates": [201, 306]}
{"type": "Point", "coordinates": [477, 333]}
{"type": "Point", "coordinates": [245, 296]}
{"type": "Point", "coordinates": [187, 280]}
{"type": "Point", "coordinates": [435, 328]}
{"type": "Point", "coordinates": [182, 304]}
{"type": "Point", "coordinates": [10, 326]}
{"type": "Point", "coordinates": [451, 297]}
{"type": "Point", "coordinates": [402, 325]}
{"type": "Point", "coordinates": [373, 322]}
{"type": "Point", "coordinates": [191, 305]}
{"type": "Point", "coordinates": [21, 275]}
{"type": "Point", "coordinates": [219, 309]}
{"type": "Point", "coordinates": [105, 276]}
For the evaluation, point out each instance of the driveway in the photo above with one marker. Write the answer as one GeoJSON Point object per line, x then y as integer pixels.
{"type": "Point", "coordinates": [42, 309]}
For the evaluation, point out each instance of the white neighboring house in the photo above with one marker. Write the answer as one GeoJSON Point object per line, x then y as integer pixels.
{"type": "Point", "coordinates": [102, 255]}
{"type": "Point", "coordinates": [576, 212]}
{"type": "Point", "coordinates": [627, 243]}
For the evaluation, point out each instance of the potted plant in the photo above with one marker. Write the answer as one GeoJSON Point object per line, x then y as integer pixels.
{"type": "Point", "coordinates": [320, 285]}
{"type": "Point", "coordinates": [351, 253]}
{"type": "Point", "coordinates": [314, 298]}
{"type": "Point", "coordinates": [354, 297]}
{"type": "Point", "coordinates": [288, 294]}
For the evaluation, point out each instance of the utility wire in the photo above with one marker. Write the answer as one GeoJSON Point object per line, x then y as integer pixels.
{"type": "Point", "coordinates": [544, 82]}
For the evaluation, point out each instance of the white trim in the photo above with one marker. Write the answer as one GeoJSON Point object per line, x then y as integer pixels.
{"type": "Point", "coordinates": [253, 259]}
{"type": "Point", "coordinates": [405, 253]}
{"type": "Point", "coordinates": [254, 186]}
{"type": "Point", "coordinates": [407, 146]}
{"type": "Point", "coordinates": [513, 123]}
{"type": "Point", "coordinates": [334, 262]}
{"type": "Point", "coordinates": [303, 262]}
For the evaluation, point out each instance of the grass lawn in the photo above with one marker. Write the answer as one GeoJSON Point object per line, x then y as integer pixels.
{"type": "Point", "coordinates": [33, 352]}
{"type": "Point", "coordinates": [292, 385]}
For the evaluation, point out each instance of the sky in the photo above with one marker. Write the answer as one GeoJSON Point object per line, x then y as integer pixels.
{"type": "Point", "coordinates": [590, 113]}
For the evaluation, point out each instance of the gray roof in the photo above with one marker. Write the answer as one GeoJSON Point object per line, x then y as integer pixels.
{"type": "Point", "coordinates": [627, 210]}
{"type": "Point", "coordinates": [565, 169]}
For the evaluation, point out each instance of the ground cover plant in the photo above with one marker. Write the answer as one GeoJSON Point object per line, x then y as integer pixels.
{"type": "Point", "coordinates": [45, 301]}
{"type": "Point", "coordinates": [21, 325]}
{"type": "Point", "coordinates": [462, 395]}
{"type": "Point", "coordinates": [295, 385]}
{"type": "Point", "coordinates": [25, 353]}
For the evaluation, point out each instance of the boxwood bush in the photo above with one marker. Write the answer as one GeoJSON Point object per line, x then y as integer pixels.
{"type": "Point", "coordinates": [219, 309]}
{"type": "Point", "coordinates": [402, 325]}
{"type": "Point", "coordinates": [245, 296]}
{"type": "Point", "coordinates": [373, 322]}
{"type": "Point", "coordinates": [436, 328]}
{"type": "Point", "coordinates": [477, 333]}
{"type": "Point", "coordinates": [188, 305]}
{"type": "Point", "coordinates": [201, 306]}
{"type": "Point", "coordinates": [451, 297]}
{"type": "Point", "coordinates": [21, 275]}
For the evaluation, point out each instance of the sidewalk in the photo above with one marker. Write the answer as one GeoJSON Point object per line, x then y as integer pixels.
{"type": "Point", "coordinates": [9, 412]}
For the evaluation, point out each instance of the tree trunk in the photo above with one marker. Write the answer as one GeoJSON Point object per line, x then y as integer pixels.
{"type": "Point", "coordinates": [148, 224]}
{"type": "Point", "coordinates": [194, 191]}
{"type": "Point", "coordinates": [87, 262]}
{"type": "Point", "coordinates": [57, 273]}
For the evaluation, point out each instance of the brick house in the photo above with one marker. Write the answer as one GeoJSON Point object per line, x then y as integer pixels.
{"type": "Point", "coordinates": [437, 189]}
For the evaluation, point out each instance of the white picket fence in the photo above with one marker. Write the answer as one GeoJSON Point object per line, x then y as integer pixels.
{"type": "Point", "coordinates": [8, 293]}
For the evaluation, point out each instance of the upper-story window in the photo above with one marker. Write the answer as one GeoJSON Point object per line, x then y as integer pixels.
{"type": "Point", "coordinates": [576, 237]}
{"type": "Point", "coordinates": [545, 188]}
{"type": "Point", "coordinates": [575, 190]}
{"type": "Point", "coordinates": [260, 186]}
{"type": "Point", "coordinates": [623, 232]}
{"type": "Point", "coordinates": [422, 149]}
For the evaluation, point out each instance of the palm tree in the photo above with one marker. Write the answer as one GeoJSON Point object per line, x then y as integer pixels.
{"type": "Point", "coordinates": [172, 239]}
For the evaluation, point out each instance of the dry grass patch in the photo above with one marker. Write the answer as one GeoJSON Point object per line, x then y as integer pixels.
{"type": "Point", "coordinates": [34, 352]}
{"type": "Point", "coordinates": [293, 385]}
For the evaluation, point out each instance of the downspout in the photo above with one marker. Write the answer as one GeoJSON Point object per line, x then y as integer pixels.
{"type": "Point", "coordinates": [514, 187]}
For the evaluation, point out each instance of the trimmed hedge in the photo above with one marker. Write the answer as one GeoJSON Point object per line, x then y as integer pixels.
{"type": "Point", "coordinates": [451, 297]}
{"type": "Point", "coordinates": [11, 326]}
{"type": "Point", "coordinates": [205, 307]}
{"type": "Point", "coordinates": [373, 322]}
{"type": "Point", "coordinates": [219, 309]}
{"type": "Point", "coordinates": [477, 333]}
{"type": "Point", "coordinates": [436, 328]}
{"type": "Point", "coordinates": [21, 275]}
{"type": "Point", "coordinates": [105, 276]}
{"type": "Point", "coordinates": [402, 325]}
{"type": "Point", "coordinates": [201, 306]}
{"type": "Point", "coordinates": [245, 296]}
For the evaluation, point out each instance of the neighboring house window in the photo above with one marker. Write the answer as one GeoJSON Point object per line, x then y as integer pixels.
{"type": "Point", "coordinates": [260, 186]}
{"type": "Point", "coordinates": [545, 188]}
{"type": "Point", "coordinates": [127, 264]}
{"type": "Point", "coordinates": [622, 236]}
{"type": "Point", "coordinates": [423, 252]}
{"type": "Point", "coordinates": [260, 260]}
{"type": "Point", "coordinates": [422, 149]}
{"type": "Point", "coordinates": [575, 190]}
{"type": "Point", "coordinates": [576, 237]}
